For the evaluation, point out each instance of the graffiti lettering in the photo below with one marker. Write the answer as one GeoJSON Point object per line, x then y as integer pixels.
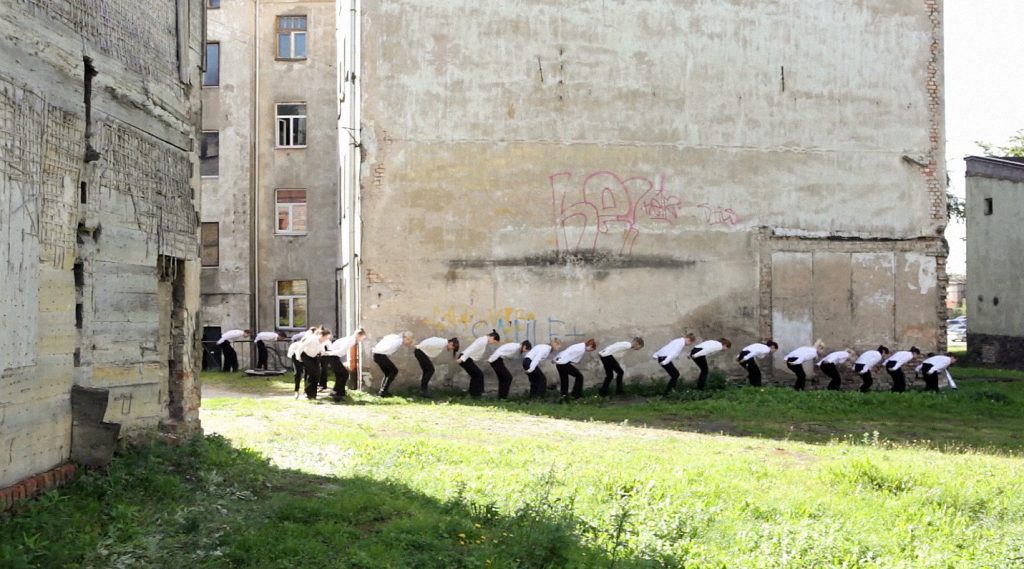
{"type": "Point", "coordinates": [715, 215]}
{"type": "Point", "coordinates": [513, 324]}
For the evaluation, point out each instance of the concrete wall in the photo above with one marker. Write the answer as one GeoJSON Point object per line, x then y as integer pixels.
{"type": "Point", "coordinates": [584, 169]}
{"type": "Point", "coordinates": [98, 190]}
{"type": "Point", "coordinates": [995, 335]}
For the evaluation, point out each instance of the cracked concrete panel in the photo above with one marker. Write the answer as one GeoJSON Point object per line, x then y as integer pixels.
{"type": "Point", "coordinates": [833, 299]}
{"type": "Point", "coordinates": [874, 310]}
{"type": "Point", "coordinates": [792, 300]}
{"type": "Point", "coordinates": [916, 287]}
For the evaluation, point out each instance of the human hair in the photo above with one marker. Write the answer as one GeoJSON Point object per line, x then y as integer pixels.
{"type": "Point", "coordinates": [359, 332]}
{"type": "Point", "coordinates": [883, 350]}
{"type": "Point", "coordinates": [494, 334]}
{"type": "Point", "coordinates": [526, 345]}
{"type": "Point", "coordinates": [725, 342]}
{"type": "Point", "coordinates": [772, 344]}
{"type": "Point", "coordinates": [591, 343]}
{"type": "Point", "coordinates": [930, 355]}
{"type": "Point", "coordinates": [914, 350]}
{"type": "Point", "coordinates": [325, 331]}
{"type": "Point", "coordinates": [689, 336]}
{"type": "Point", "coordinates": [407, 334]}
{"type": "Point", "coordinates": [248, 332]}
{"type": "Point", "coordinates": [638, 342]}
{"type": "Point", "coordinates": [455, 346]}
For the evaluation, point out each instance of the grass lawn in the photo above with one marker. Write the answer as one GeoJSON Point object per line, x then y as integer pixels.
{"type": "Point", "coordinates": [812, 479]}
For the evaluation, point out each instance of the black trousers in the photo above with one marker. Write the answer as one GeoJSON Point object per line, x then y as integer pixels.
{"type": "Point", "coordinates": [702, 364]}
{"type": "Point", "coordinates": [831, 371]}
{"type": "Point", "coordinates": [611, 368]}
{"type": "Point", "coordinates": [297, 362]}
{"type": "Point", "coordinates": [538, 381]}
{"type": "Point", "coordinates": [564, 371]}
{"type": "Point", "coordinates": [673, 374]}
{"type": "Point", "coordinates": [388, 369]}
{"type": "Point", "coordinates": [261, 355]}
{"type": "Point", "coordinates": [753, 371]}
{"type": "Point", "coordinates": [801, 376]}
{"type": "Point", "coordinates": [931, 379]}
{"type": "Point", "coordinates": [476, 378]}
{"type": "Point", "coordinates": [311, 368]}
{"type": "Point", "coordinates": [333, 364]}
{"type": "Point", "coordinates": [899, 381]}
{"type": "Point", "coordinates": [426, 368]}
{"type": "Point", "coordinates": [230, 357]}
{"type": "Point", "coordinates": [865, 377]}
{"type": "Point", "coordinates": [504, 377]}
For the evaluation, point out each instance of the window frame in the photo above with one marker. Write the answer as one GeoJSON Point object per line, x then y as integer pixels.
{"type": "Point", "coordinates": [291, 33]}
{"type": "Point", "coordinates": [203, 244]}
{"type": "Point", "coordinates": [290, 298]}
{"type": "Point", "coordinates": [290, 206]}
{"type": "Point", "coordinates": [203, 145]}
{"type": "Point", "coordinates": [305, 123]}
{"type": "Point", "coordinates": [206, 64]}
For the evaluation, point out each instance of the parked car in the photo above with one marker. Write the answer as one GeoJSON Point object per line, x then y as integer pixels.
{"type": "Point", "coordinates": [956, 332]}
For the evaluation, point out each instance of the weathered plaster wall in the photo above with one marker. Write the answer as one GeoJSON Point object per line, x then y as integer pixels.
{"type": "Point", "coordinates": [314, 256]}
{"type": "Point", "coordinates": [726, 167]}
{"type": "Point", "coordinates": [994, 263]}
{"type": "Point", "coordinates": [98, 257]}
{"type": "Point", "coordinates": [227, 198]}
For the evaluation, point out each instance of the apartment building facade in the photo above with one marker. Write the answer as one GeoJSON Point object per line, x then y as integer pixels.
{"type": "Point", "coordinates": [269, 166]}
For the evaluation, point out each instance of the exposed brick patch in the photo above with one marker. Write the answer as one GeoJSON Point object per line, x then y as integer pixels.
{"type": "Point", "coordinates": [934, 173]}
{"type": "Point", "coordinates": [35, 485]}
{"type": "Point", "coordinates": [991, 350]}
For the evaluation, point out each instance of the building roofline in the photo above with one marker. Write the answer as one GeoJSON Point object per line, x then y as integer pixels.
{"type": "Point", "coordinates": [1003, 168]}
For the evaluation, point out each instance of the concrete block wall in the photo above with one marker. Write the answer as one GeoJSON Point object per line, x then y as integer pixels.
{"type": "Point", "coordinates": [653, 168]}
{"type": "Point", "coordinates": [99, 112]}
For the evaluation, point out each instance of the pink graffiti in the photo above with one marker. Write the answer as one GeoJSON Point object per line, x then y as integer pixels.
{"type": "Point", "coordinates": [605, 205]}
{"type": "Point", "coordinates": [715, 215]}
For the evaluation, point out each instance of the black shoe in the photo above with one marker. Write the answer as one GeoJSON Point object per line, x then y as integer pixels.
{"type": "Point", "coordinates": [384, 394]}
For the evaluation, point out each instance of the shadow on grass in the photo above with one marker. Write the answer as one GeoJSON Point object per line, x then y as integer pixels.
{"type": "Point", "coordinates": [207, 504]}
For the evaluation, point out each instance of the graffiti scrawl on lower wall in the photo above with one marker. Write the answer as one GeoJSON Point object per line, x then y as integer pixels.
{"type": "Point", "coordinates": [513, 324]}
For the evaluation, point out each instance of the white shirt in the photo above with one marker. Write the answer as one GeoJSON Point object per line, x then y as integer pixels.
{"type": "Point", "coordinates": [388, 345]}
{"type": "Point", "coordinates": [707, 348]}
{"type": "Point", "coordinates": [432, 347]}
{"type": "Point", "coordinates": [230, 335]}
{"type": "Point", "coordinates": [899, 358]}
{"type": "Point", "coordinates": [299, 335]}
{"type": "Point", "coordinates": [835, 358]}
{"type": "Point", "coordinates": [571, 355]}
{"type": "Point", "coordinates": [310, 345]}
{"type": "Point", "coordinates": [615, 349]}
{"type": "Point", "coordinates": [266, 337]}
{"type": "Point", "coordinates": [755, 351]}
{"type": "Point", "coordinates": [340, 348]}
{"type": "Point", "coordinates": [938, 363]}
{"type": "Point", "coordinates": [504, 351]}
{"type": "Point", "coordinates": [670, 351]}
{"type": "Point", "coordinates": [802, 355]}
{"type": "Point", "coordinates": [869, 359]}
{"type": "Point", "coordinates": [475, 350]}
{"type": "Point", "coordinates": [537, 355]}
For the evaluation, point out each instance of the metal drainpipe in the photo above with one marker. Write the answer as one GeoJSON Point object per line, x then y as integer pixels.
{"type": "Point", "coordinates": [254, 219]}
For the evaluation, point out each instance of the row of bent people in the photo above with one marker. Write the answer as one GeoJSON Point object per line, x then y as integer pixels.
{"type": "Point", "coordinates": [314, 354]}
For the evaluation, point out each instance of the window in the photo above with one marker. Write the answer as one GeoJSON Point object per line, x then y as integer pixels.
{"type": "Point", "coordinates": [211, 244]}
{"type": "Point", "coordinates": [291, 212]}
{"type": "Point", "coordinates": [988, 206]}
{"type": "Point", "coordinates": [211, 75]}
{"type": "Point", "coordinates": [291, 125]}
{"type": "Point", "coordinates": [213, 4]}
{"type": "Point", "coordinates": [291, 304]}
{"type": "Point", "coordinates": [291, 37]}
{"type": "Point", "coordinates": [209, 155]}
